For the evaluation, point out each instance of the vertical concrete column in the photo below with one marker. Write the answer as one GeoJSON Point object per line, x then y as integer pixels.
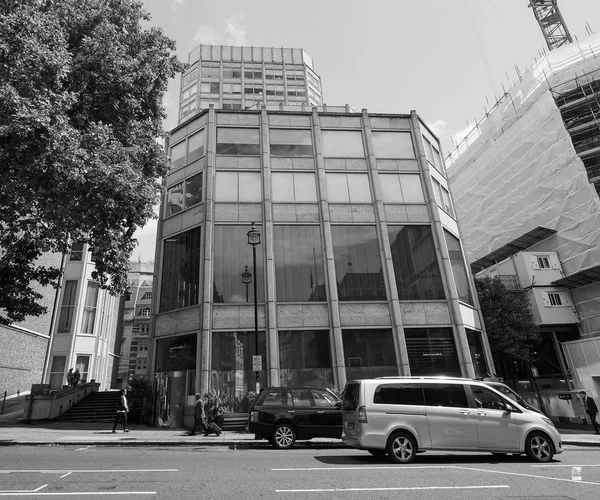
{"type": "Point", "coordinates": [460, 333]}
{"type": "Point", "coordinates": [335, 328]}
{"type": "Point", "coordinates": [204, 340]}
{"type": "Point", "coordinates": [272, 361]}
{"type": "Point", "coordinates": [386, 252]}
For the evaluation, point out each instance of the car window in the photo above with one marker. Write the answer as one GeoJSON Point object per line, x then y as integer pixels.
{"type": "Point", "coordinates": [485, 398]}
{"type": "Point", "coordinates": [300, 397]}
{"type": "Point", "coordinates": [324, 398]}
{"type": "Point", "coordinates": [453, 395]}
{"type": "Point", "coordinates": [399, 394]}
{"type": "Point", "coordinates": [274, 398]}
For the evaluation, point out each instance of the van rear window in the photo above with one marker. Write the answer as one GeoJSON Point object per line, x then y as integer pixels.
{"type": "Point", "coordinates": [351, 397]}
{"type": "Point", "coordinates": [399, 394]}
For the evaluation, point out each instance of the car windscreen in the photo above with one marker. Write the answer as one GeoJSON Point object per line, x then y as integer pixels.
{"type": "Point", "coordinates": [351, 396]}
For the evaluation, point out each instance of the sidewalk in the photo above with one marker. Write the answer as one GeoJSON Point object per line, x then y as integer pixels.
{"type": "Point", "coordinates": [14, 432]}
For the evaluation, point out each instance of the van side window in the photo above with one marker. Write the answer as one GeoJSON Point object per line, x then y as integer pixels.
{"type": "Point", "coordinates": [453, 395]}
{"type": "Point", "coordinates": [399, 394]}
{"type": "Point", "coordinates": [350, 396]}
{"type": "Point", "coordinates": [484, 398]}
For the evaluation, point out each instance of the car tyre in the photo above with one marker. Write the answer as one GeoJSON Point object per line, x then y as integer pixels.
{"type": "Point", "coordinates": [538, 447]}
{"type": "Point", "coordinates": [401, 447]}
{"type": "Point", "coordinates": [377, 453]}
{"type": "Point", "coordinates": [283, 437]}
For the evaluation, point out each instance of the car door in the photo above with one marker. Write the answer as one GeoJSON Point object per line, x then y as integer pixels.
{"type": "Point", "coordinates": [302, 412]}
{"type": "Point", "coordinates": [497, 428]}
{"type": "Point", "coordinates": [451, 422]}
{"type": "Point", "coordinates": [328, 414]}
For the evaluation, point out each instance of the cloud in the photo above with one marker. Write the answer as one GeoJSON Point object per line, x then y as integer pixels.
{"type": "Point", "coordinates": [236, 34]}
{"type": "Point", "coordinates": [233, 33]}
{"type": "Point", "coordinates": [176, 3]}
{"type": "Point", "coordinates": [207, 36]}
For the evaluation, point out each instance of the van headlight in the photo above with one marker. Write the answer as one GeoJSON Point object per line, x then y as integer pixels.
{"type": "Point", "coordinates": [548, 421]}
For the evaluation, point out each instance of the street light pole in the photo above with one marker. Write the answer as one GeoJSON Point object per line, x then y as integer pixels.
{"type": "Point", "coordinates": [254, 240]}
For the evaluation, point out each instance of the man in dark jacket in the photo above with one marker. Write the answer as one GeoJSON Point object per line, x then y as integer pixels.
{"type": "Point", "coordinates": [199, 416]}
{"type": "Point", "coordinates": [122, 411]}
{"type": "Point", "coordinates": [592, 410]}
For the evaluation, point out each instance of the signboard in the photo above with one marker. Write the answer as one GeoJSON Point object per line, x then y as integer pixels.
{"type": "Point", "coordinates": [257, 363]}
{"type": "Point", "coordinates": [565, 396]}
{"type": "Point", "coordinates": [534, 371]}
{"type": "Point", "coordinates": [40, 389]}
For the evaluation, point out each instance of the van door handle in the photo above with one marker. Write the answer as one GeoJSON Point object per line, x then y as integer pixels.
{"type": "Point", "coordinates": [465, 412]}
{"type": "Point", "coordinates": [482, 413]}
{"type": "Point", "coordinates": [291, 411]}
{"type": "Point", "coordinates": [320, 412]}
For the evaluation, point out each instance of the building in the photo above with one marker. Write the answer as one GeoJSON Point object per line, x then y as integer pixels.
{"type": "Point", "coordinates": [359, 272]}
{"type": "Point", "coordinates": [525, 184]}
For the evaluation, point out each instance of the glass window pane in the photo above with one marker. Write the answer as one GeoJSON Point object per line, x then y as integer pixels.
{"type": "Point", "coordinates": [357, 263]}
{"type": "Point", "coordinates": [305, 188]}
{"type": "Point", "coordinates": [76, 252]}
{"type": "Point", "coordinates": [399, 394]}
{"type": "Point", "coordinates": [477, 353]}
{"type": "Point", "coordinates": [226, 186]}
{"type": "Point", "coordinates": [393, 145]}
{"type": "Point", "coordinates": [238, 141]}
{"type": "Point", "coordinates": [299, 273]}
{"type": "Point", "coordinates": [369, 354]}
{"type": "Point", "coordinates": [449, 395]}
{"type": "Point", "coordinates": [250, 187]}
{"type": "Point", "coordinates": [89, 310]}
{"type": "Point", "coordinates": [175, 199]}
{"type": "Point", "coordinates": [286, 142]}
{"type": "Point", "coordinates": [412, 191]}
{"type": "Point", "coordinates": [343, 143]}
{"type": "Point", "coordinates": [193, 190]}
{"type": "Point", "coordinates": [282, 185]}
{"type": "Point", "coordinates": [459, 269]}
{"type": "Point", "coordinates": [305, 358]}
{"type": "Point", "coordinates": [446, 201]}
{"type": "Point", "coordinates": [232, 254]}
{"type": "Point", "coordinates": [359, 189]}
{"type": "Point", "coordinates": [337, 188]}
{"type": "Point", "coordinates": [67, 308]}
{"type": "Point", "coordinates": [415, 262]}
{"type": "Point", "coordinates": [196, 144]}
{"type": "Point", "coordinates": [432, 351]}
{"type": "Point", "coordinates": [178, 155]}
{"type": "Point", "coordinates": [390, 188]}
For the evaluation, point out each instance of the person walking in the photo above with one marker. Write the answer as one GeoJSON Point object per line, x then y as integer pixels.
{"type": "Point", "coordinates": [70, 378]}
{"type": "Point", "coordinates": [199, 416]}
{"type": "Point", "coordinates": [122, 411]}
{"type": "Point", "coordinates": [591, 409]}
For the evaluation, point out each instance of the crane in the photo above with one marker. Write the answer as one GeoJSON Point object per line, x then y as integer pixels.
{"type": "Point", "coordinates": [551, 22]}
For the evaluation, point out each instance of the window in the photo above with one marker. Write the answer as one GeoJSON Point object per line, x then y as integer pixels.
{"type": "Point", "coordinates": [210, 87]}
{"type": "Point", "coordinates": [231, 256]}
{"type": "Point", "coordinates": [401, 188]}
{"type": "Point", "coordinates": [253, 72]}
{"type": "Point", "coordinates": [189, 149]}
{"type": "Point", "coordinates": [147, 296]}
{"type": "Point", "coordinates": [348, 188]}
{"type": "Point", "coordinates": [323, 398]}
{"type": "Point", "coordinates": [555, 299]}
{"type": "Point", "coordinates": [299, 273]}
{"type": "Point", "coordinates": [253, 90]}
{"type": "Point", "coordinates": [442, 197]}
{"type": "Point", "coordinates": [57, 372]}
{"type": "Point", "coordinates": [146, 312]}
{"type": "Point", "coordinates": [393, 145]}
{"type": "Point", "coordinates": [235, 89]}
{"type": "Point", "coordinates": [399, 394]}
{"type": "Point", "coordinates": [433, 156]}
{"type": "Point", "coordinates": [477, 353]}
{"type": "Point", "coordinates": [232, 103]}
{"type": "Point", "coordinates": [191, 76]}
{"type": "Point", "coordinates": [184, 194]}
{"type": "Point", "coordinates": [83, 365]}
{"type": "Point", "coordinates": [416, 266]}
{"type": "Point", "coordinates": [181, 271]}
{"type": "Point", "coordinates": [178, 154]}
{"type": "Point", "coordinates": [448, 395]}
{"type": "Point", "coordinates": [274, 93]}
{"type": "Point", "coordinates": [375, 350]}
{"type": "Point", "coordinates": [210, 70]}
{"type": "Point", "coordinates": [485, 398]}
{"type": "Point", "coordinates": [432, 351]}
{"type": "Point", "coordinates": [274, 72]}
{"type": "Point", "coordinates": [89, 310]}
{"type": "Point", "coordinates": [459, 269]}
{"type": "Point", "coordinates": [294, 187]}
{"type": "Point", "coordinates": [543, 262]}
{"type": "Point", "coordinates": [238, 141]}
{"type": "Point", "coordinates": [76, 253]}
{"type": "Point", "coordinates": [343, 143]}
{"type": "Point", "coordinates": [241, 187]}
{"type": "Point", "coordinates": [305, 358]}
{"type": "Point", "coordinates": [357, 263]}
{"type": "Point", "coordinates": [189, 92]}
{"type": "Point", "coordinates": [233, 71]}
{"type": "Point", "coordinates": [275, 397]}
{"type": "Point", "coordinates": [67, 308]}
{"type": "Point", "coordinates": [288, 142]}
{"type": "Point", "coordinates": [188, 109]}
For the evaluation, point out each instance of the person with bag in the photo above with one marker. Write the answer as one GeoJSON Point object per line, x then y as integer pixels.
{"type": "Point", "coordinates": [215, 421]}
{"type": "Point", "coordinates": [70, 376]}
{"type": "Point", "coordinates": [199, 416]}
{"type": "Point", "coordinates": [591, 409]}
{"type": "Point", "coordinates": [76, 377]}
{"type": "Point", "coordinates": [122, 411]}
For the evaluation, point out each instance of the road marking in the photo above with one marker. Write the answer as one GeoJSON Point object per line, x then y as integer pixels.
{"type": "Point", "coordinates": [85, 448]}
{"type": "Point", "coordinates": [9, 492]}
{"type": "Point", "coordinates": [65, 475]}
{"type": "Point", "coordinates": [63, 471]}
{"type": "Point", "coordinates": [526, 475]}
{"type": "Point", "coordinates": [369, 468]}
{"type": "Point", "coordinates": [564, 465]}
{"type": "Point", "coordinates": [324, 490]}
{"type": "Point", "coordinates": [79, 493]}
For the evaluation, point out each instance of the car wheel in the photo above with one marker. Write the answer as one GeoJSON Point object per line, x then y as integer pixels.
{"type": "Point", "coordinates": [401, 448]}
{"type": "Point", "coordinates": [284, 436]}
{"type": "Point", "coordinates": [538, 447]}
{"type": "Point", "coordinates": [377, 453]}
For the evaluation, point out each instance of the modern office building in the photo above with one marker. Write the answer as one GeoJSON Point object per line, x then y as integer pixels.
{"type": "Point", "coordinates": [359, 270]}
{"type": "Point", "coordinates": [525, 184]}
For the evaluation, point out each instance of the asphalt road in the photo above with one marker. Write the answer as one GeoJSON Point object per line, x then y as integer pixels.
{"type": "Point", "coordinates": [222, 473]}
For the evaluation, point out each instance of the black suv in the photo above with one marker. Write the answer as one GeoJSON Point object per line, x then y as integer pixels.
{"type": "Point", "coordinates": [284, 414]}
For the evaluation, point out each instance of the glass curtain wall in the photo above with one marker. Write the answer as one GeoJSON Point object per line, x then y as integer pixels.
{"type": "Point", "coordinates": [369, 354]}
{"type": "Point", "coordinates": [432, 351]}
{"type": "Point", "coordinates": [305, 358]}
{"type": "Point", "coordinates": [477, 354]}
{"type": "Point", "coordinates": [459, 269]}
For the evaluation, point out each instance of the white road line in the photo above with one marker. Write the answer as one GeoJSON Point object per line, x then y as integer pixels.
{"type": "Point", "coordinates": [383, 467]}
{"type": "Point", "coordinates": [327, 490]}
{"type": "Point", "coordinates": [526, 475]}
{"type": "Point", "coordinates": [63, 471]}
{"type": "Point", "coordinates": [565, 465]}
{"type": "Point", "coordinates": [86, 448]}
{"type": "Point", "coordinates": [9, 492]}
{"type": "Point", "coordinates": [79, 493]}
{"type": "Point", "coordinates": [65, 475]}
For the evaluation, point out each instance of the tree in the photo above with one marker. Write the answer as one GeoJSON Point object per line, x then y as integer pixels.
{"type": "Point", "coordinates": [81, 87]}
{"type": "Point", "coordinates": [510, 328]}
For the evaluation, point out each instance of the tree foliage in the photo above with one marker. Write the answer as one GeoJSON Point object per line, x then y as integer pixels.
{"type": "Point", "coordinates": [508, 321]}
{"type": "Point", "coordinates": [81, 88]}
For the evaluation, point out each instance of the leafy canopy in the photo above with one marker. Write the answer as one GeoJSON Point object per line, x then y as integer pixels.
{"type": "Point", "coordinates": [508, 322]}
{"type": "Point", "coordinates": [81, 87]}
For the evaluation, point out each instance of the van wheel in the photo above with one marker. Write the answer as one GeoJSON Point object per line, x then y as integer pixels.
{"type": "Point", "coordinates": [538, 447]}
{"type": "Point", "coordinates": [377, 453]}
{"type": "Point", "coordinates": [401, 448]}
{"type": "Point", "coordinates": [283, 437]}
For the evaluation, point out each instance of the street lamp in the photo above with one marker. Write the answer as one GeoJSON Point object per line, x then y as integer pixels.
{"type": "Point", "coordinates": [246, 280]}
{"type": "Point", "coordinates": [254, 239]}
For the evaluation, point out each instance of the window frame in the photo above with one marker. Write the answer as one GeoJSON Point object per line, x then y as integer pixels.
{"type": "Point", "coordinates": [255, 146]}
{"type": "Point", "coordinates": [184, 194]}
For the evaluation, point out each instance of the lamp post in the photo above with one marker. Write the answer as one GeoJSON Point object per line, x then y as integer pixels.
{"type": "Point", "coordinates": [254, 239]}
{"type": "Point", "coordinates": [246, 280]}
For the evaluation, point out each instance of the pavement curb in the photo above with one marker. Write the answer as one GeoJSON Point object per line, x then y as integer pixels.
{"type": "Point", "coordinates": [231, 444]}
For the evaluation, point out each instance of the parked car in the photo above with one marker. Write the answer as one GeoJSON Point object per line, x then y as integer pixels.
{"type": "Point", "coordinates": [401, 416]}
{"type": "Point", "coordinates": [507, 391]}
{"type": "Point", "coordinates": [283, 414]}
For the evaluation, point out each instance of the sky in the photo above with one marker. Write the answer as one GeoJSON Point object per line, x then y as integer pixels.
{"type": "Point", "coordinates": [447, 59]}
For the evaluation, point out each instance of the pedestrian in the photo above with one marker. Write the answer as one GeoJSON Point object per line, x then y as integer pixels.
{"type": "Point", "coordinates": [70, 378]}
{"type": "Point", "coordinates": [199, 416]}
{"type": "Point", "coordinates": [591, 409]}
{"type": "Point", "coordinates": [76, 377]}
{"type": "Point", "coordinates": [122, 411]}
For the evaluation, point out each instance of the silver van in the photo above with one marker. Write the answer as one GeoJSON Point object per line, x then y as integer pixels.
{"type": "Point", "coordinates": [400, 416]}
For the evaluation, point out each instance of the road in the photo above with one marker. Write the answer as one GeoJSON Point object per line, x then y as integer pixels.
{"type": "Point", "coordinates": [223, 473]}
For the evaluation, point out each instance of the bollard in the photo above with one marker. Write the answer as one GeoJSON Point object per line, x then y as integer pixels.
{"type": "Point", "coordinates": [3, 403]}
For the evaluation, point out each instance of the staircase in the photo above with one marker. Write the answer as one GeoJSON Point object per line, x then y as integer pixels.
{"type": "Point", "coordinates": [97, 407]}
